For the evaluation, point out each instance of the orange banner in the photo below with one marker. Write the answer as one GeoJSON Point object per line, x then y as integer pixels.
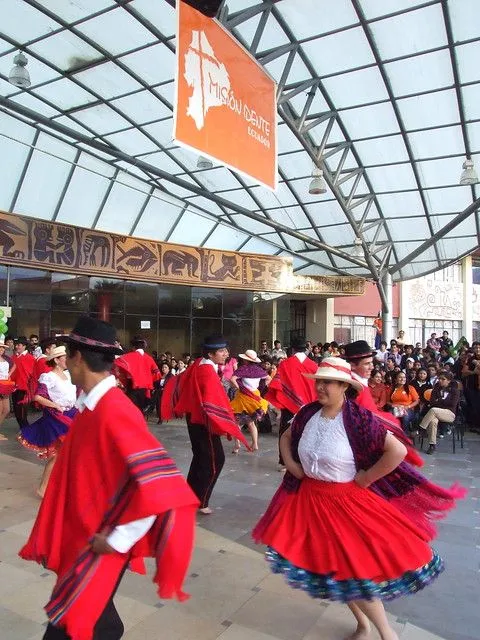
{"type": "Point", "coordinates": [225, 104]}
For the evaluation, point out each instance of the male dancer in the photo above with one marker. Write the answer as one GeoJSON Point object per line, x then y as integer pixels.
{"type": "Point", "coordinates": [22, 376]}
{"type": "Point", "coordinates": [114, 497]}
{"type": "Point", "coordinates": [290, 390]}
{"type": "Point", "coordinates": [199, 395]}
{"type": "Point", "coordinates": [138, 372]}
{"type": "Point", "coordinates": [360, 356]}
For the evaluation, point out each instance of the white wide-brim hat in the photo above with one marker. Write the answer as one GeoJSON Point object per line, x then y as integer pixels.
{"type": "Point", "coordinates": [249, 355]}
{"type": "Point", "coordinates": [335, 369]}
{"type": "Point", "coordinates": [58, 352]}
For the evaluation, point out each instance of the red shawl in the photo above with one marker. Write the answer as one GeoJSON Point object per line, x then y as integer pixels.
{"type": "Point", "coordinates": [365, 399]}
{"type": "Point", "coordinates": [199, 393]}
{"type": "Point", "coordinates": [110, 471]}
{"type": "Point", "coordinates": [290, 389]}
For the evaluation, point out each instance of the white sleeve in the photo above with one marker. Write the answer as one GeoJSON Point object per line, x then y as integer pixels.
{"type": "Point", "coordinates": [125, 536]}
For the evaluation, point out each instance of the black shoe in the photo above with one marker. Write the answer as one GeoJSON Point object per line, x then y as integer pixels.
{"type": "Point", "coordinates": [431, 449]}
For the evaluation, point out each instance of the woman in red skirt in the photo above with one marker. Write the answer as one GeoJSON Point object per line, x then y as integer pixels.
{"type": "Point", "coordinates": [351, 521]}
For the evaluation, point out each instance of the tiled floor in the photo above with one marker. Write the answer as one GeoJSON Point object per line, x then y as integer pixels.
{"type": "Point", "coordinates": [234, 596]}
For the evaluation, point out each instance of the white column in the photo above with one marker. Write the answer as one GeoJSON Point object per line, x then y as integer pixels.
{"type": "Point", "coordinates": [320, 319]}
{"type": "Point", "coordinates": [387, 313]}
{"type": "Point", "coordinates": [274, 322]}
{"type": "Point", "coordinates": [467, 323]}
{"type": "Point", "coordinates": [404, 318]}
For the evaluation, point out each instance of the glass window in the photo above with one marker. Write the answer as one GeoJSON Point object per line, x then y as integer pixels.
{"type": "Point", "coordinates": [174, 335]}
{"type": "Point", "coordinates": [239, 335]}
{"type": "Point", "coordinates": [30, 299]}
{"type": "Point", "coordinates": [70, 292]}
{"type": "Point", "coordinates": [141, 298]}
{"type": "Point", "coordinates": [174, 300]}
{"type": "Point", "coordinates": [141, 325]}
{"type": "Point", "coordinates": [62, 322]}
{"type": "Point", "coordinates": [107, 297]}
{"type": "Point", "coordinates": [476, 272]}
{"type": "Point", "coordinates": [202, 327]}
{"type": "Point", "coordinates": [206, 302]}
{"type": "Point", "coordinates": [237, 304]}
{"type": "Point", "coordinates": [3, 285]}
{"type": "Point", "coordinates": [263, 331]}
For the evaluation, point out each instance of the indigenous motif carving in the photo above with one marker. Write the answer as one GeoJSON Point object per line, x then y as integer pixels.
{"type": "Point", "coordinates": [180, 263]}
{"type": "Point", "coordinates": [30, 242]}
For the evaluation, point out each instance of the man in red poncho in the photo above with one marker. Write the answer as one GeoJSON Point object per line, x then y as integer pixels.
{"type": "Point", "coordinates": [198, 394]}
{"type": "Point", "coordinates": [138, 372]}
{"type": "Point", "coordinates": [290, 390]}
{"type": "Point", "coordinates": [22, 376]}
{"type": "Point", "coordinates": [114, 497]}
{"type": "Point", "coordinates": [360, 356]}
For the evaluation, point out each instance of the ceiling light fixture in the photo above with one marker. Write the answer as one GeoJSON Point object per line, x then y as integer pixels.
{"type": "Point", "coordinates": [469, 175]}
{"type": "Point", "coordinates": [357, 250]}
{"type": "Point", "coordinates": [317, 185]}
{"type": "Point", "coordinates": [204, 163]}
{"type": "Point", "coordinates": [19, 76]}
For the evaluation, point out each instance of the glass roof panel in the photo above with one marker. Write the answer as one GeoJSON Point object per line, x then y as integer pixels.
{"type": "Point", "coordinates": [382, 150]}
{"type": "Point", "coordinates": [65, 94]}
{"type": "Point", "coordinates": [339, 52]}
{"type": "Point", "coordinates": [297, 73]}
{"type": "Point", "coordinates": [162, 161]}
{"type": "Point", "coordinates": [428, 144]}
{"type": "Point", "coordinates": [166, 91]}
{"type": "Point", "coordinates": [422, 73]}
{"type": "Point", "coordinates": [12, 160]}
{"type": "Point", "coordinates": [402, 204]}
{"type": "Point", "coordinates": [281, 197]}
{"type": "Point", "coordinates": [464, 19]}
{"type": "Point", "coordinates": [471, 101]}
{"type": "Point", "coordinates": [464, 229]}
{"type": "Point", "coordinates": [455, 247]}
{"type": "Point", "coordinates": [224, 237]}
{"type": "Point", "coordinates": [406, 33]}
{"type": "Point", "coordinates": [116, 31]}
{"type": "Point", "coordinates": [467, 57]}
{"type": "Point", "coordinates": [101, 118]}
{"type": "Point", "coordinates": [252, 226]}
{"type": "Point", "coordinates": [132, 142]}
{"type": "Point", "coordinates": [341, 235]}
{"type": "Point", "coordinates": [335, 15]}
{"type": "Point", "coordinates": [65, 50]}
{"type": "Point", "coordinates": [293, 217]}
{"type": "Point", "coordinates": [160, 14]}
{"type": "Point", "coordinates": [438, 222]}
{"type": "Point", "coordinates": [454, 199]}
{"type": "Point", "coordinates": [375, 9]}
{"type": "Point", "coordinates": [83, 198]}
{"type": "Point", "coordinates": [430, 110]}
{"type": "Point", "coordinates": [23, 22]}
{"type": "Point", "coordinates": [376, 120]}
{"type": "Point", "coordinates": [141, 107]}
{"type": "Point", "coordinates": [256, 245]}
{"type": "Point", "coordinates": [191, 229]}
{"type": "Point", "coordinates": [242, 198]}
{"type": "Point", "coordinates": [287, 140]}
{"type": "Point", "coordinates": [108, 80]}
{"type": "Point", "coordinates": [296, 165]}
{"type": "Point", "coordinates": [154, 64]}
{"type": "Point", "coordinates": [356, 87]}
{"type": "Point", "coordinates": [162, 131]}
{"type": "Point", "coordinates": [122, 207]}
{"type": "Point", "coordinates": [326, 212]}
{"type": "Point", "coordinates": [73, 11]}
{"type": "Point", "coordinates": [439, 173]}
{"type": "Point", "coordinates": [158, 218]}
{"type": "Point", "coordinates": [474, 136]}
{"type": "Point", "coordinates": [411, 229]}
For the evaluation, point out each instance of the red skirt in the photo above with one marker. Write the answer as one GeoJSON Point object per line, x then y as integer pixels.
{"type": "Point", "coordinates": [342, 530]}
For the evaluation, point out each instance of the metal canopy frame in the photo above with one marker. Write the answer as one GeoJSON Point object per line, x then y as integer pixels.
{"type": "Point", "coordinates": [322, 135]}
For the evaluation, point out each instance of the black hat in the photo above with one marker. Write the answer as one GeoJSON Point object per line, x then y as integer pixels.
{"type": "Point", "coordinates": [214, 342]}
{"type": "Point", "coordinates": [298, 343]}
{"type": "Point", "coordinates": [358, 350]}
{"type": "Point", "coordinates": [93, 334]}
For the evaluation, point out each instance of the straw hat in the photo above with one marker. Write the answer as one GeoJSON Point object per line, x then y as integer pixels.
{"type": "Point", "coordinates": [249, 355]}
{"type": "Point", "coordinates": [58, 352]}
{"type": "Point", "coordinates": [335, 369]}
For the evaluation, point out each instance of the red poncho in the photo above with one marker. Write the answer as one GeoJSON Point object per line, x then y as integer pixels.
{"type": "Point", "coordinates": [137, 369]}
{"type": "Point", "coordinates": [110, 471]}
{"type": "Point", "coordinates": [199, 393]}
{"type": "Point", "coordinates": [290, 389]}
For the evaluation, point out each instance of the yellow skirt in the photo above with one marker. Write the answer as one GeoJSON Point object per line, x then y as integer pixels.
{"type": "Point", "coordinates": [242, 403]}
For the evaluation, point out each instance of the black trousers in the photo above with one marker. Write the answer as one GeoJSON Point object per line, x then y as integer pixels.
{"type": "Point", "coordinates": [285, 417]}
{"type": "Point", "coordinates": [138, 397]}
{"type": "Point", "coordinates": [20, 410]}
{"type": "Point", "coordinates": [207, 462]}
{"type": "Point", "coordinates": [108, 627]}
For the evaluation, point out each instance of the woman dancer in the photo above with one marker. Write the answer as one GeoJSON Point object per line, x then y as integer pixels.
{"type": "Point", "coordinates": [56, 395]}
{"type": "Point", "coordinates": [248, 405]}
{"type": "Point", "coordinates": [346, 523]}
{"type": "Point", "coordinates": [6, 386]}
